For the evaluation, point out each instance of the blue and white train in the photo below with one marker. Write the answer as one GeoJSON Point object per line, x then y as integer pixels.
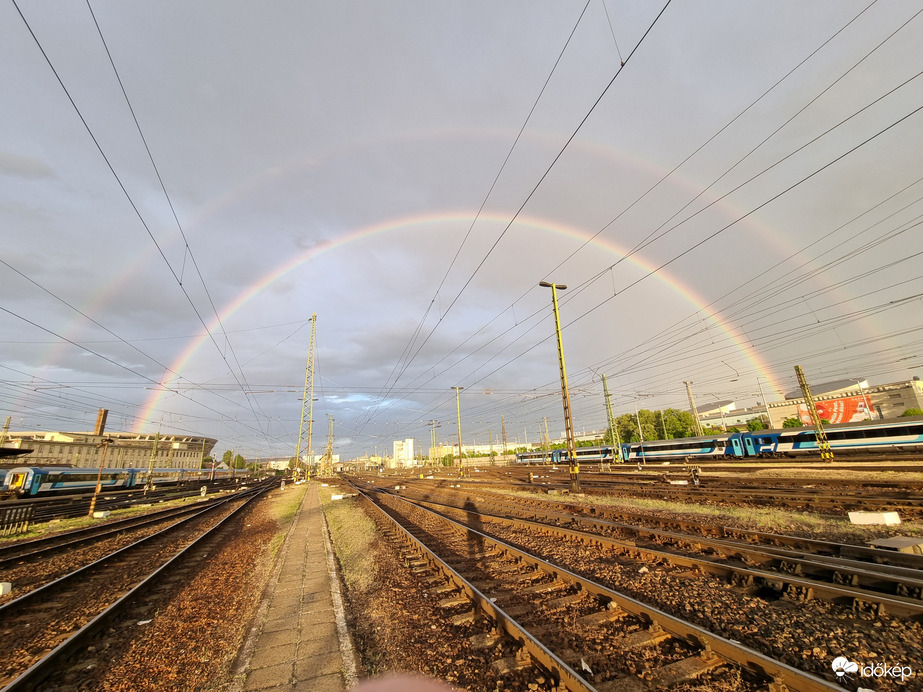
{"type": "Point", "coordinates": [894, 436]}
{"type": "Point", "coordinates": [32, 481]}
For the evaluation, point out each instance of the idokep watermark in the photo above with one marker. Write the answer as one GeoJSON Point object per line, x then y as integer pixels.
{"type": "Point", "coordinates": [844, 668]}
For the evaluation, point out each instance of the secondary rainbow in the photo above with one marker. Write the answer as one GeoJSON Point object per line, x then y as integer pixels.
{"type": "Point", "coordinates": [409, 222]}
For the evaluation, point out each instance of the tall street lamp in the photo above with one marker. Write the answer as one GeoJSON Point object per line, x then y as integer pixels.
{"type": "Point", "coordinates": [461, 463]}
{"type": "Point", "coordinates": [568, 423]}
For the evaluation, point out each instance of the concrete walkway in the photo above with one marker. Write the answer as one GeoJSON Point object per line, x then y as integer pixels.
{"type": "Point", "coordinates": [299, 645]}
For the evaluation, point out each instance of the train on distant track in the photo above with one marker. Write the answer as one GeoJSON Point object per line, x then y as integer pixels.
{"type": "Point", "coordinates": [879, 437]}
{"type": "Point", "coordinates": [33, 481]}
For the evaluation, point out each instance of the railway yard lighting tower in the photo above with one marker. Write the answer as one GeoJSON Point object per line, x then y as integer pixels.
{"type": "Point", "coordinates": [568, 423]}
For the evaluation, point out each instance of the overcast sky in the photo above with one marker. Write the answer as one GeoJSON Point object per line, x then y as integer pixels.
{"type": "Point", "coordinates": [728, 189]}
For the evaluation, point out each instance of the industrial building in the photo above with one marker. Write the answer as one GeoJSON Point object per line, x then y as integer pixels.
{"type": "Point", "coordinates": [110, 449]}
{"type": "Point", "coordinates": [840, 401]}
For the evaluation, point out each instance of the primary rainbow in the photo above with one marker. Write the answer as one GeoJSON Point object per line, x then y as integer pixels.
{"type": "Point", "coordinates": [409, 222]}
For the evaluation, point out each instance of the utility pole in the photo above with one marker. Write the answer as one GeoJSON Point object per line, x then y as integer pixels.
{"type": "Point", "coordinates": [327, 460]}
{"type": "Point", "coordinates": [461, 462]}
{"type": "Point", "coordinates": [565, 396]}
{"type": "Point", "coordinates": [765, 403]}
{"type": "Point", "coordinates": [150, 466]}
{"type": "Point", "coordinates": [490, 439]}
{"type": "Point", "coordinates": [614, 436]}
{"type": "Point", "coordinates": [695, 412]}
{"type": "Point", "coordinates": [434, 448]}
{"type": "Point", "coordinates": [546, 443]}
{"type": "Point", "coordinates": [307, 402]}
{"type": "Point", "coordinates": [503, 434]}
{"type": "Point", "coordinates": [826, 454]}
{"type": "Point", "coordinates": [99, 476]}
{"type": "Point", "coordinates": [640, 432]}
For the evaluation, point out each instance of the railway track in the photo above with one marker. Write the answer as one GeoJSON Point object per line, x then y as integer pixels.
{"type": "Point", "coordinates": [577, 630]}
{"type": "Point", "coordinates": [29, 564]}
{"type": "Point", "coordinates": [874, 584]}
{"type": "Point", "coordinates": [45, 629]}
{"type": "Point", "coordinates": [44, 509]}
{"type": "Point", "coordinates": [721, 492]}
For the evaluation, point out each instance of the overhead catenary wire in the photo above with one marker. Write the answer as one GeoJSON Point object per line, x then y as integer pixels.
{"type": "Point", "coordinates": [122, 187]}
{"type": "Point", "coordinates": [715, 135]}
{"type": "Point", "coordinates": [538, 184]}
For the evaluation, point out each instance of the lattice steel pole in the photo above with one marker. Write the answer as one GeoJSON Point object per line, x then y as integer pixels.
{"type": "Point", "coordinates": [307, 403]}
{"type": "Point", "coordinates": [614, 436]}
{"type": "Point", "coordinates": [695, 412]}
{"type": "Point", "coordinates": [826, 454]}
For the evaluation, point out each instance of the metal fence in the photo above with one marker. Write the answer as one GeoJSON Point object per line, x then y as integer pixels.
{"type": "Point", "coordinates": [15, 519]}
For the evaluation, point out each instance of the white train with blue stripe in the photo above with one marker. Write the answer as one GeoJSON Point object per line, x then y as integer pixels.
{"type": "Point", "coordinates": [896, 436]}
{"type": "Point", "coordinates": [32, 481]}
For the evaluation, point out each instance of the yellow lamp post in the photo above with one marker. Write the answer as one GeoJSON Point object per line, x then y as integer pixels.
{"type": "Point", "coordinates": [568, 423]}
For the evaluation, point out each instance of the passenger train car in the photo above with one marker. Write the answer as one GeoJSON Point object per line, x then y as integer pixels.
{"type": "Point", "coordinates": [898, 435]}
{"type": "Point", "coordinates": [894, 436]}
{"type": "Point", "coordinates": [586, 455]}
{"type": "Point", "coordinates": [708, 447]}
{"type": "Point", "coordinates": [31, 481]}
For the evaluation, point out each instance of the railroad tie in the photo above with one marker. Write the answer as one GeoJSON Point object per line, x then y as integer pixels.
{"type": "Point", "coordinates": [485, 640]}
{"type": "Point", "coordinates": [454, 602]}
{"type": "Point", "coordinates": [687, 669]}
{"type": "Point", "coordinates": [602, 617]}
{"type": "Point", "coordinates": [545, 587]}
{"type": "Point", "coordinates": [443, 589]}
{"type": "Point", "coordinates": [649, 637]}
{"type": "Point", "coordinates": [466, 618]}
{"type": "Point", "coordinates": [565, 601]}
{"type": "Point", "coordinates": [511, 664]}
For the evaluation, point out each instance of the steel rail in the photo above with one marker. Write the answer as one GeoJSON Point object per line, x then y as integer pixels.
{"type": "Point", "coordinates": [816, 547]}
{"type": "Point", "coordinates": [797, 586]}
{"type": "Point", "coordinates": [794, 679]}
{"type": "Point", "coordinates": [24, 550]}
{"type": "Point", "coordinates": [558, 669]}
{"type": "Point", "coordinates": [35, 674]}
{"type": "Point", "coordinates": [848, 571]}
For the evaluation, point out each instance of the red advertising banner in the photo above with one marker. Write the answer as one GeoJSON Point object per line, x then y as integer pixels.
{"type": "Point", "coordinates": [846, 410]}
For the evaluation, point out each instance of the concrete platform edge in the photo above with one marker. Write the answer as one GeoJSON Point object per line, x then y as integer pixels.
{"type": "Point", "coordinates": [347, 650]}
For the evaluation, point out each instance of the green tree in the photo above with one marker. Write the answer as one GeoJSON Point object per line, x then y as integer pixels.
{"type": "Point", "coordinates": [234, 462]}
{"type": "Point", "coordinates": [792, 423]}
{"type": "Point", "coordinates": [627, 425]}
{"type": "Point", "coordinates": [678, 423]}
{"type": "Point", "coordinates": [912, 412]}
{"type": "Point", "coordinates": [755, 424]}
